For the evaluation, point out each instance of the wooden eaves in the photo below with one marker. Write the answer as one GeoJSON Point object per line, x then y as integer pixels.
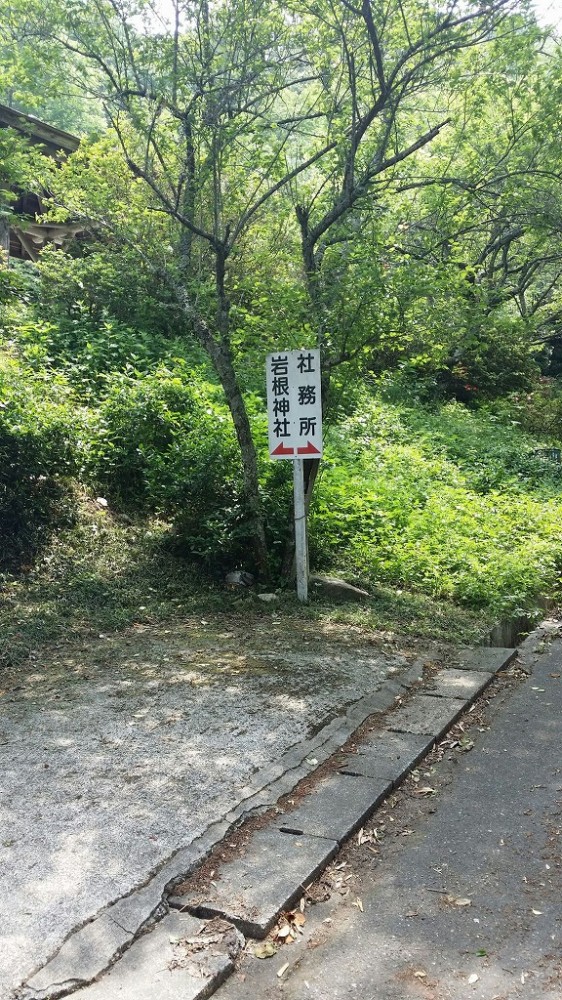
{"type": "Point", "coordinates": [26, 240]}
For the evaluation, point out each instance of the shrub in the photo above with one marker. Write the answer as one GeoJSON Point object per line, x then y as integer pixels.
{"type": "Point", "coordinates": [447, 503]}
{"type": "Point", "coordinates": [164, 444]}
{"type": "Point", "coordinates": [537, 411]}
{"type": "Point", "coordinates": [492, 453]}
{"type": "Point", "coordinates": [38, 449]}
{"type": "Point", "coordinates": [494, 357]}
{"type": "Point", "coordinates": [102, 285]}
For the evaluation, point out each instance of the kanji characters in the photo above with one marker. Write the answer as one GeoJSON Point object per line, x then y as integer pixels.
{"type": "Point", "coordinates": [307, 395]}
{"type": "Point", "coordinates": [295, 414]}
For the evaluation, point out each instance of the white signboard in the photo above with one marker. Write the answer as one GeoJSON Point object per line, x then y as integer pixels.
{"type": "Point", "coordinates": [294, 404]}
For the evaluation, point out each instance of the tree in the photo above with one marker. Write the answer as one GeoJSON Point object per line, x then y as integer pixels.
{"type": "Point", "coordinates": [489, 207]}
{"type": "Point", "coordinates": [221, 110]}
{"type": "Point", "coordinates": [36, 77]}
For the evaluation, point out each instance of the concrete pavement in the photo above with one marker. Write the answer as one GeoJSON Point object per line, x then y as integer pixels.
{"type": "Point", "coordinates": [122, 762]}
{"type": "Point", "coordinates": [271, 864]}
{"type": "Point", "coordinates": [406, 920]}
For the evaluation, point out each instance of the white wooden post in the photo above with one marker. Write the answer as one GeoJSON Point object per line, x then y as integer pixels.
{"type": "Point", "coordinates": [294, 407]}
{"type": "Point", "coordinates": [301, 541]}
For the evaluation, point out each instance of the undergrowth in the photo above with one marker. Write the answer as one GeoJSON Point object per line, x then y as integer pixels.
{"type": "Point", "coordinates": [105, 574]}
{"type": "Point", "coordinates": [446, 502]}
{"type": "Point", "coordinates": [451, 517]}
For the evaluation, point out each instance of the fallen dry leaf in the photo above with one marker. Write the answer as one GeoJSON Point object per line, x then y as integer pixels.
{"type": "Point", "coordinates": [420, 974]}
{"type": "Point", "coordinates": [290, 927]}
{"type": "Point", "coordinates": [359, 904]}
{"type": "Point", "coordinates": [281, 972]}
{"type": "Point", "coordinates": [265, 949]}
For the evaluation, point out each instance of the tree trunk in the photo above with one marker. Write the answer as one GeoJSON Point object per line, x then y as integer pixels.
{"type": "Point", "coordinates": [5, 235]}
{"type": "Point", "coordinates": [188, 201]}
{"type": "Point", "coordinates": [221, 359]}
{"type": "Point", "coordinates": [251, 490]}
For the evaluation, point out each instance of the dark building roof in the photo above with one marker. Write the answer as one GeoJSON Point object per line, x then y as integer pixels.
{"type": "Point", "coordinates": [25, 241]}
{"type": "Point", "coordinates": [52, 139]}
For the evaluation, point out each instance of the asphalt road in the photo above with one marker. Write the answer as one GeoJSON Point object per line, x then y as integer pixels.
{"type": "Point", "coordinates": [455, 892]}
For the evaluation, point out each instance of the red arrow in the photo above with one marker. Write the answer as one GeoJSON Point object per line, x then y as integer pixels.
{"type": "Point", "coordinates": [309, 450]}
{"type": "Point", "coordinates": [282, 449]}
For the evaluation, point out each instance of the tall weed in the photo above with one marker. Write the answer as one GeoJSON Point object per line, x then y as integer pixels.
{"type": "Point", "coordinates": [445, 502]}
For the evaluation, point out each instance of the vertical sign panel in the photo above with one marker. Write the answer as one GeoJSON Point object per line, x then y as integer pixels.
{"type": "Point", "coordinates": [294, 404]}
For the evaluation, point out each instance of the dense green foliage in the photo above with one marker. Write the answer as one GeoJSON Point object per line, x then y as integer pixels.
{"type": "Point", "coordinates": [452, 502]}
{"type": "Point", "coordinates": [381, 181]}
{"type": "Point", "coordinates": [447, 501]}
{"type": "Point", "coordinates": [38, 450]}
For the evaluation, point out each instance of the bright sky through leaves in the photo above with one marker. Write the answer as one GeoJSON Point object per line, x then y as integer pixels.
{"type": "Point", "coordinates": [549, 12]}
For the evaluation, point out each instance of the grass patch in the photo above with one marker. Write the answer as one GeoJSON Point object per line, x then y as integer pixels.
{"type": "Point", "coordinates": [101, 575]}
{"type": "Point", "coordinates": [404, 612]}
{"type": "Point", "coordinates": [104, 574]}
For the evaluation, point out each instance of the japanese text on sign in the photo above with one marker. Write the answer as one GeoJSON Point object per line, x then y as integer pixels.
{"type": "Point", "coordinates": [294, 404]}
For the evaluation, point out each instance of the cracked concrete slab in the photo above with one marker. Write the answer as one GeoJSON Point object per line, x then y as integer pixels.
{"type": "Point", "coordinates": [78, 962]}
{"type": "Point", "coordinates": [251, 891]}
{"type": "Point", "coordinates": [135, 910]}
{"type": "Point", "coordinates": [487, 658]}
{"type": "Point", "coordinates": [388, 755]}
{"type": "Point", "coordinates": [462, 684]}
{"type": "Point", "coordinates": [424, 714]}
{"type": "Point", "coordinates": [161, 965]}
{"type": "Point", "coordinates": [336, 807]}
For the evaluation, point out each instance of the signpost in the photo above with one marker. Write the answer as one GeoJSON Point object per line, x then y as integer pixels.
{"type": "Point", "coordinates": [294, 407]}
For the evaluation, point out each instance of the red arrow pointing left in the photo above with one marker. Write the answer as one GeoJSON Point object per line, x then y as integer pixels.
{"type": "Point", "coordinates": [282, 449]}
{"type": "Point", "coordinates": [310, 449]}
